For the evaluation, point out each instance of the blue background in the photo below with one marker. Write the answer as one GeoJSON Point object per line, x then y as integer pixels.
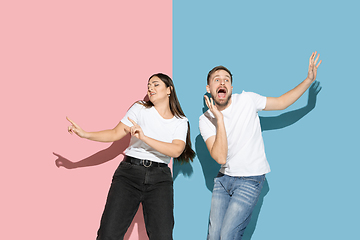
{"type": "Point", "coordinates": [312, 147]}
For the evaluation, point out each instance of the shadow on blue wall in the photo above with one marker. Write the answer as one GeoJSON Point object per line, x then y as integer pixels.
{"type": "Point", "coordinates": [210, 167]}
{"type": "Point", "coordinates": [185, 169]}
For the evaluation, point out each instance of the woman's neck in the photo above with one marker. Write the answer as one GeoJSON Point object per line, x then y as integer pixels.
{"type": "Point", "coordinates": [164, 110]}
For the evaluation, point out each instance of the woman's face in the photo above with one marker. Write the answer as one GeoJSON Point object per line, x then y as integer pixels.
{"type": "Point", "coordinates": [157, 90]}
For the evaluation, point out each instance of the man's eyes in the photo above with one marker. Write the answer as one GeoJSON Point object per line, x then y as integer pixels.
{"type": "Point", "coordinates": [226, 80]}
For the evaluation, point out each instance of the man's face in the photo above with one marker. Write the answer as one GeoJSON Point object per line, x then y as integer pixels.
{"type": "Point", "coordinates": [220, 88]}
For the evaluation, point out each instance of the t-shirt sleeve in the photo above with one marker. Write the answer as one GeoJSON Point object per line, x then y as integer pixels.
{"type": "Point", "coordinates": [207, 129]}
{"type": "Point", "coordinates": [181, 131]}
{"type": "Point", "coordinates": [259, 101]}
{"type": "Point", "coordinates": [132, 113]}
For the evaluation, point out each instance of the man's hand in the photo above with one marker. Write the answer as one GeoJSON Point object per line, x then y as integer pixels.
{"type": "Point", "coordinates": [210, 104]}
{"type": "Point", "coordinates": [313, 67]}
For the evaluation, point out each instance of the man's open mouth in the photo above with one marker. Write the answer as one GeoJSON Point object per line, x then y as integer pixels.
{"type": "Point", "coordinates": [221, 92]}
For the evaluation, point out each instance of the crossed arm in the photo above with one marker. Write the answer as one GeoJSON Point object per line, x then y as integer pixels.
{"type": "Point", "coordinates": [173, 149]}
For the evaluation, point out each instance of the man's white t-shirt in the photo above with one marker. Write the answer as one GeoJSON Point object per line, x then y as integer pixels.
{"type": "Point", "coordinates": [246, 153]}
{"type": "Point", "coordinates": [156, 127]}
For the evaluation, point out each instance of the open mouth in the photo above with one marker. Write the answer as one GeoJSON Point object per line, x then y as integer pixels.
{"type": "Point", "coordinates": [221, 92]}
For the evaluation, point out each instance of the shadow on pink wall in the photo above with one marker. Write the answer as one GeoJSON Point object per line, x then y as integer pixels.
{"type": "Point", "coordinates": [103, 156]}
{"type": "Point", "coordinates": [115, 149]}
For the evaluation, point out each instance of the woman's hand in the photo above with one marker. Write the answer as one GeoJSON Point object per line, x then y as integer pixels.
{"type": "Point", "coordinates": [74, 128]}
{"type": "Point", "coordinates": [136, 130]}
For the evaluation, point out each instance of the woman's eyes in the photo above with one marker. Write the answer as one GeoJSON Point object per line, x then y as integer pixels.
{"type": "Point", "coordinates": [155, 85]}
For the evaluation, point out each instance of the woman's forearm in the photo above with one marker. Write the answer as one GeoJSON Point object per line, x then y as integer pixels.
{"type": "Point", "coordinates": [173, 149]}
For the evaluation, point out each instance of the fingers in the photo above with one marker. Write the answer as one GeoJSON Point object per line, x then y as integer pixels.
{"type": "Point", "coordinates": [211, 102]}
{"type": "Point", "coordinates": [132, 121]}
{"type": "Point", "coordinates": [70, 121]}
{"type": "Point", "coordinates": [311, 59]}
{"type": "Point", "coordinates": [207, 101]}
{"type": "Point", "coordinates": [73, 126]}
{"type": "Point", "coordinates": [72, 129]}
{"type": "Point", "coordinates": [319, 64]}
{"type": "Point", "coordinates": [317, 58]}
{"type": "Point", "coordinates": [135, 130]}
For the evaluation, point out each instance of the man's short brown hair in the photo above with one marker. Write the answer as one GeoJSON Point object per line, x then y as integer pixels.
{"type": "Point", "coordinates": [217, 68]}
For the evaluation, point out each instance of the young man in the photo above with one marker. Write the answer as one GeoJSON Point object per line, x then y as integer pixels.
{"type": "Point", "coordinates": [232, 133]}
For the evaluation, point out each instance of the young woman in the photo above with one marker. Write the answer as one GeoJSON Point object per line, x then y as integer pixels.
{"type": "Point", "coordinates": [159, 131]}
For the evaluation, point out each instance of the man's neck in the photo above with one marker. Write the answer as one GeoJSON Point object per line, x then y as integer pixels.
{"type": "Point", "coordinates": [222, 108]}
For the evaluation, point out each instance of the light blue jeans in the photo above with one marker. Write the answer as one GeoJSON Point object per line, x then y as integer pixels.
{"type": "Point", "coordinates": [232, 203]}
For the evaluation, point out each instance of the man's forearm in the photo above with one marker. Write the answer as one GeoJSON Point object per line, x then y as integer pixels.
{"type": "Point", "coordinates": [294, 94]}
{"type": "Point", "coordinates": [288, 98]}
{"type": "Point", "coordinates": [220, 148]}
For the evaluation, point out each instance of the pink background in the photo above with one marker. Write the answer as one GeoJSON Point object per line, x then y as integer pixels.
{"type": "Point", "coordinates": [88, 60]}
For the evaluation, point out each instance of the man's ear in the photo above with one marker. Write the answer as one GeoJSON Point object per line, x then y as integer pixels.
{"type": "Point", "coordinates": [208, 88]}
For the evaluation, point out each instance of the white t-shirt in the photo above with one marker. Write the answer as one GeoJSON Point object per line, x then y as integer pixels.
{"type": "Point", "coordinates": [246, 153]}
{"type": "Point", "coordinates": [156, 127]}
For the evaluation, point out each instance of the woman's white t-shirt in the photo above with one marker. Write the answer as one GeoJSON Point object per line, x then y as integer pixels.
{"type": "Point", "coordinates": [156, 127]}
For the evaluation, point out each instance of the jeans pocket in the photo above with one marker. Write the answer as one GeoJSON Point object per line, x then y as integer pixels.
{"type": "Point", "coordinates": [125, 165]}
{"type": "Point", "coordinates": [218, 178]}
{"type": "Point", "coordinates": [166, 170]}
{"type": "Point", "coordinates": [219, 175]}
{"type": "Point", "coordinates": [256, 179]}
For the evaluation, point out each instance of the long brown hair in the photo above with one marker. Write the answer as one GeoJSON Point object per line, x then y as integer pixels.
{"type": "Point", "coordinates": [175, 108]}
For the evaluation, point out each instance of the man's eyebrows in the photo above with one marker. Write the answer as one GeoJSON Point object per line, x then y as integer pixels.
{"type": "Point", "coordinates": [228, 76]}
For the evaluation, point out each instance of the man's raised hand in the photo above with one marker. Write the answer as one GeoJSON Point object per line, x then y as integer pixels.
{"type": "Point", "coordinates": [313, 66]}
{"type": "Point", "coordinates": [212, 107]}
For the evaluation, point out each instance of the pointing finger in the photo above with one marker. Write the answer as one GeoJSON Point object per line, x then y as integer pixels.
{"type": "Point", "coordinates": [67, 118]}
{"type": "Point", "coordinates": [72, 122]}
{"type": "Point", "coordinates": [132, 121]}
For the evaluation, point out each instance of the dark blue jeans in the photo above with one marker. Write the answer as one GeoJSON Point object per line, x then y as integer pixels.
{"type": "Point", "coordinates": [132, 184]}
